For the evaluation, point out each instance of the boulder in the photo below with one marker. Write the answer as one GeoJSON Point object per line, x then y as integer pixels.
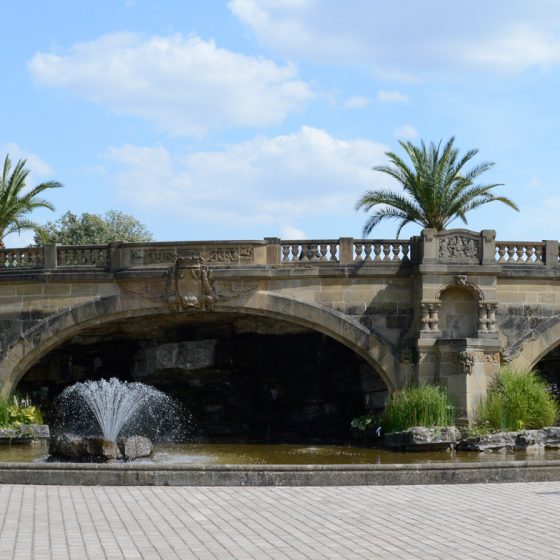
{"type": "Point", "coordinates": [83, 449]}
{"type": "Point", "coordinates": [424, 439]}
{"type": "Point", "coordinates": [509, 441]}
{"type": "Point", "coordinates": [101, 448]}
{"type": "Point", "coordinates": [68, 446]}
{"type": "Point", "coordinates": [135, 447]}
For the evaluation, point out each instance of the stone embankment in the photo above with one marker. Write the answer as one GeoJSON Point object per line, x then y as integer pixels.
{"type": "Point", "coordinates": [26, 433]}
{"type": "Point", "coordinates": [451, 438]}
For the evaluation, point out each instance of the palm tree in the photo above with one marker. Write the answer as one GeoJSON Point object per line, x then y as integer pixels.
{"type": "Point", "coordinates": [437, 189]}
{"type": "Point", "coordinates": [16, 202]}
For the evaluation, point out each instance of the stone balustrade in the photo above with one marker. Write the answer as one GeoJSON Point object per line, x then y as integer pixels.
{"type": "Point", "coordinates": [520, 252]}
{"type": "Point", "coordinates": [453, 246]}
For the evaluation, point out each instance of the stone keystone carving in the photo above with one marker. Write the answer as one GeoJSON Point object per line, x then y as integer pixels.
{"type": "Point", "coordinates": [189, 285]}
{"type": "Point", "coordinates": [461, 280]}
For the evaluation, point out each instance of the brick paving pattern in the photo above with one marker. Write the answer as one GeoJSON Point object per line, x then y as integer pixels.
{"type": "Point", "coordinates": [478, 521]}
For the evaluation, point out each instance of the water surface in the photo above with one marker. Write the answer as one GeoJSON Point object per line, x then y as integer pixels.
{"type": "Point", "coordinates": [288, 454]}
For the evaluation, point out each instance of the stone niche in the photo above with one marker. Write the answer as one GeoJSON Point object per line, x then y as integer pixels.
{"type": "Point", "coordinates": [458, 314]}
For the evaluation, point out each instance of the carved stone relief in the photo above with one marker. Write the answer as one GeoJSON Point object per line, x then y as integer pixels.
{"type": "Point", "coordinates": [466, 361]}
{"type": "Point", "coordinates": [189, 285]}
{"type": "Point", "coordinates": [460, 248]}
{"type": "Point", "coordinates": [225, 255]}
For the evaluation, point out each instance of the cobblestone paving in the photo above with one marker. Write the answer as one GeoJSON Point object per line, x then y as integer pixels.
{"type": "Point", "coordinates": [479, 521]}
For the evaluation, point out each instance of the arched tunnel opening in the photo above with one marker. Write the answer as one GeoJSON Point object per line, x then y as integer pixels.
{"type": "Point", "coordinates": [549, 369]}
{"type": "Point", "coordinates": [242, 378]}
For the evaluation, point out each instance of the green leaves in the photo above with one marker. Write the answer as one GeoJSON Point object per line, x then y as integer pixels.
{"type": "Point", "coordinates": [16, 202]}
{"type": "Point", "coordinates": [93, 229]}
{"type": "Point", "coordinates": [436, 189]}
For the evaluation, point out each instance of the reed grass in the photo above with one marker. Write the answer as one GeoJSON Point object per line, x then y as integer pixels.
{"type": "Point", "coordinates": [423, 405]}
{"type": "Point", "coordinates": [518, 400]}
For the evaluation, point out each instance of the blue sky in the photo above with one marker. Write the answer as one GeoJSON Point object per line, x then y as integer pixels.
{"type": "Point", "coordinates": [254, 118]}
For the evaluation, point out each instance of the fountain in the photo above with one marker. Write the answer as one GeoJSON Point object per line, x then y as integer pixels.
{"type": "Point", "coordinates": [110, 419]}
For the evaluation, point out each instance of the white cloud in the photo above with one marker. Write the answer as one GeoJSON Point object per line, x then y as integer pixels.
{"type": "Point", "coordinates": [397, 38]}
{"type": "Point", "coordinates": [37, 166]}
{"type": "Point", "coordinates": [406, 132]}
{"type": "Point", "coordinates": [272, 182]}
{"type": "Point", "coordinates": [391, 96]}
{"type": "Point", "coordinates": [357, 102]}
{"type": "Point", "coordinates": [291, 232]}
{"type": "Point", "coordinates": [184, 85]}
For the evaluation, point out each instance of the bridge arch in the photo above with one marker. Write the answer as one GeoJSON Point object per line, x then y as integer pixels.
{"type": "Point", "coordinates": [58, 329]}
{"type": "Point", "coordinates": [530, 350]}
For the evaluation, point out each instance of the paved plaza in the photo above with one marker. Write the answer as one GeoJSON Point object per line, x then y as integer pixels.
{"type": "Point", "coordinates": [479, 521]}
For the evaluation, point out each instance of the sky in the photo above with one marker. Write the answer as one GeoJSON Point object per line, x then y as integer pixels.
{"type": "Point", "coordinates": [246, 119]}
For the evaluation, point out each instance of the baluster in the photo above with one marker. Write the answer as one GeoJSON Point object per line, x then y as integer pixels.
{"type": "Point", "coordinates": [501, 253]}
{"type": "Point", "coordinates": [377, 252]}
{"type": "Point", "coordinates": [387, 252]}
{"type": "Point", "coordinates": [405, 247]}
{"type": "Point", "coordinates": [286, 253]}
{"type": "Point", "coordinates": [14, 259]}
{"type": "Point", "coordinates": [313, 252]}
{"type": "Point", "coordinates": [294, 247]}
{"type": "Point", "coordinates": [367, 252]}
{"type": "Point", "coordinates": [332, 251]}
{"type": "Point", "coordinates": [539, 254]}
{"type": "Point", "coordinates": [359, 249]}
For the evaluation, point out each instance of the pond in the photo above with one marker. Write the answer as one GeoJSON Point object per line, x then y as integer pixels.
{"type": "Point", "coordinates": [288, 454]}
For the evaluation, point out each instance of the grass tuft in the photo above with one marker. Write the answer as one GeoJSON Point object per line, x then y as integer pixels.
{"type": "Point", "coordinates": [518, 400]}
{"type": "Point", "coordinates": [424, 405]}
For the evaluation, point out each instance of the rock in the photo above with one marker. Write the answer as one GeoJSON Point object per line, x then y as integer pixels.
{"type": "Point", "coordinates": [104, 449]}
{"type": "Point", "coordinates": [502, 440]}
{"type": "Point", "coordinates": [35, 431]}
{"type": "Point", "coordinates": [9, 433]}
{"type": "Point", "coordinates": [68, 446]}
{"type": "Point", "coordinates": [551, 436]}
{"type": "Point", "coordinates": [424, 439]}
{"type": "Point", "coordinates": [83, 449]}
{"type": "Point", "coordinates": [135, 447]}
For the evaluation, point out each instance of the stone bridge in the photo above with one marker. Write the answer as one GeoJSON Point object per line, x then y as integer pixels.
{"type": "Point", "coordinates": [445, 306]}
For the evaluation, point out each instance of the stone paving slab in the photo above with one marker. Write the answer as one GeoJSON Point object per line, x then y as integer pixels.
{"type": "Point", "coordinates": [475, 521]}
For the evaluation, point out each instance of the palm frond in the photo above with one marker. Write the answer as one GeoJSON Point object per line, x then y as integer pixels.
{"type": "Point", "coordinates": [437, 188]}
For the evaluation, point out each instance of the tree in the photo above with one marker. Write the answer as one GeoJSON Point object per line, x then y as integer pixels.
{"type": "Point", "coordinates": [93, 229]}
{"type": "Point", "coordinates": [437, 190]}
{"type": "Point", "coordinates": [16, 203]}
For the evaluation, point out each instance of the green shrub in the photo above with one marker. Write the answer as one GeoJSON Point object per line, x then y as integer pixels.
{"type": "Point", "coordinates": [518, 400]}
{"type": "Point", "coordinates": [424, 405]}
{"type": "Point", "coordinates": [15, 411]}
